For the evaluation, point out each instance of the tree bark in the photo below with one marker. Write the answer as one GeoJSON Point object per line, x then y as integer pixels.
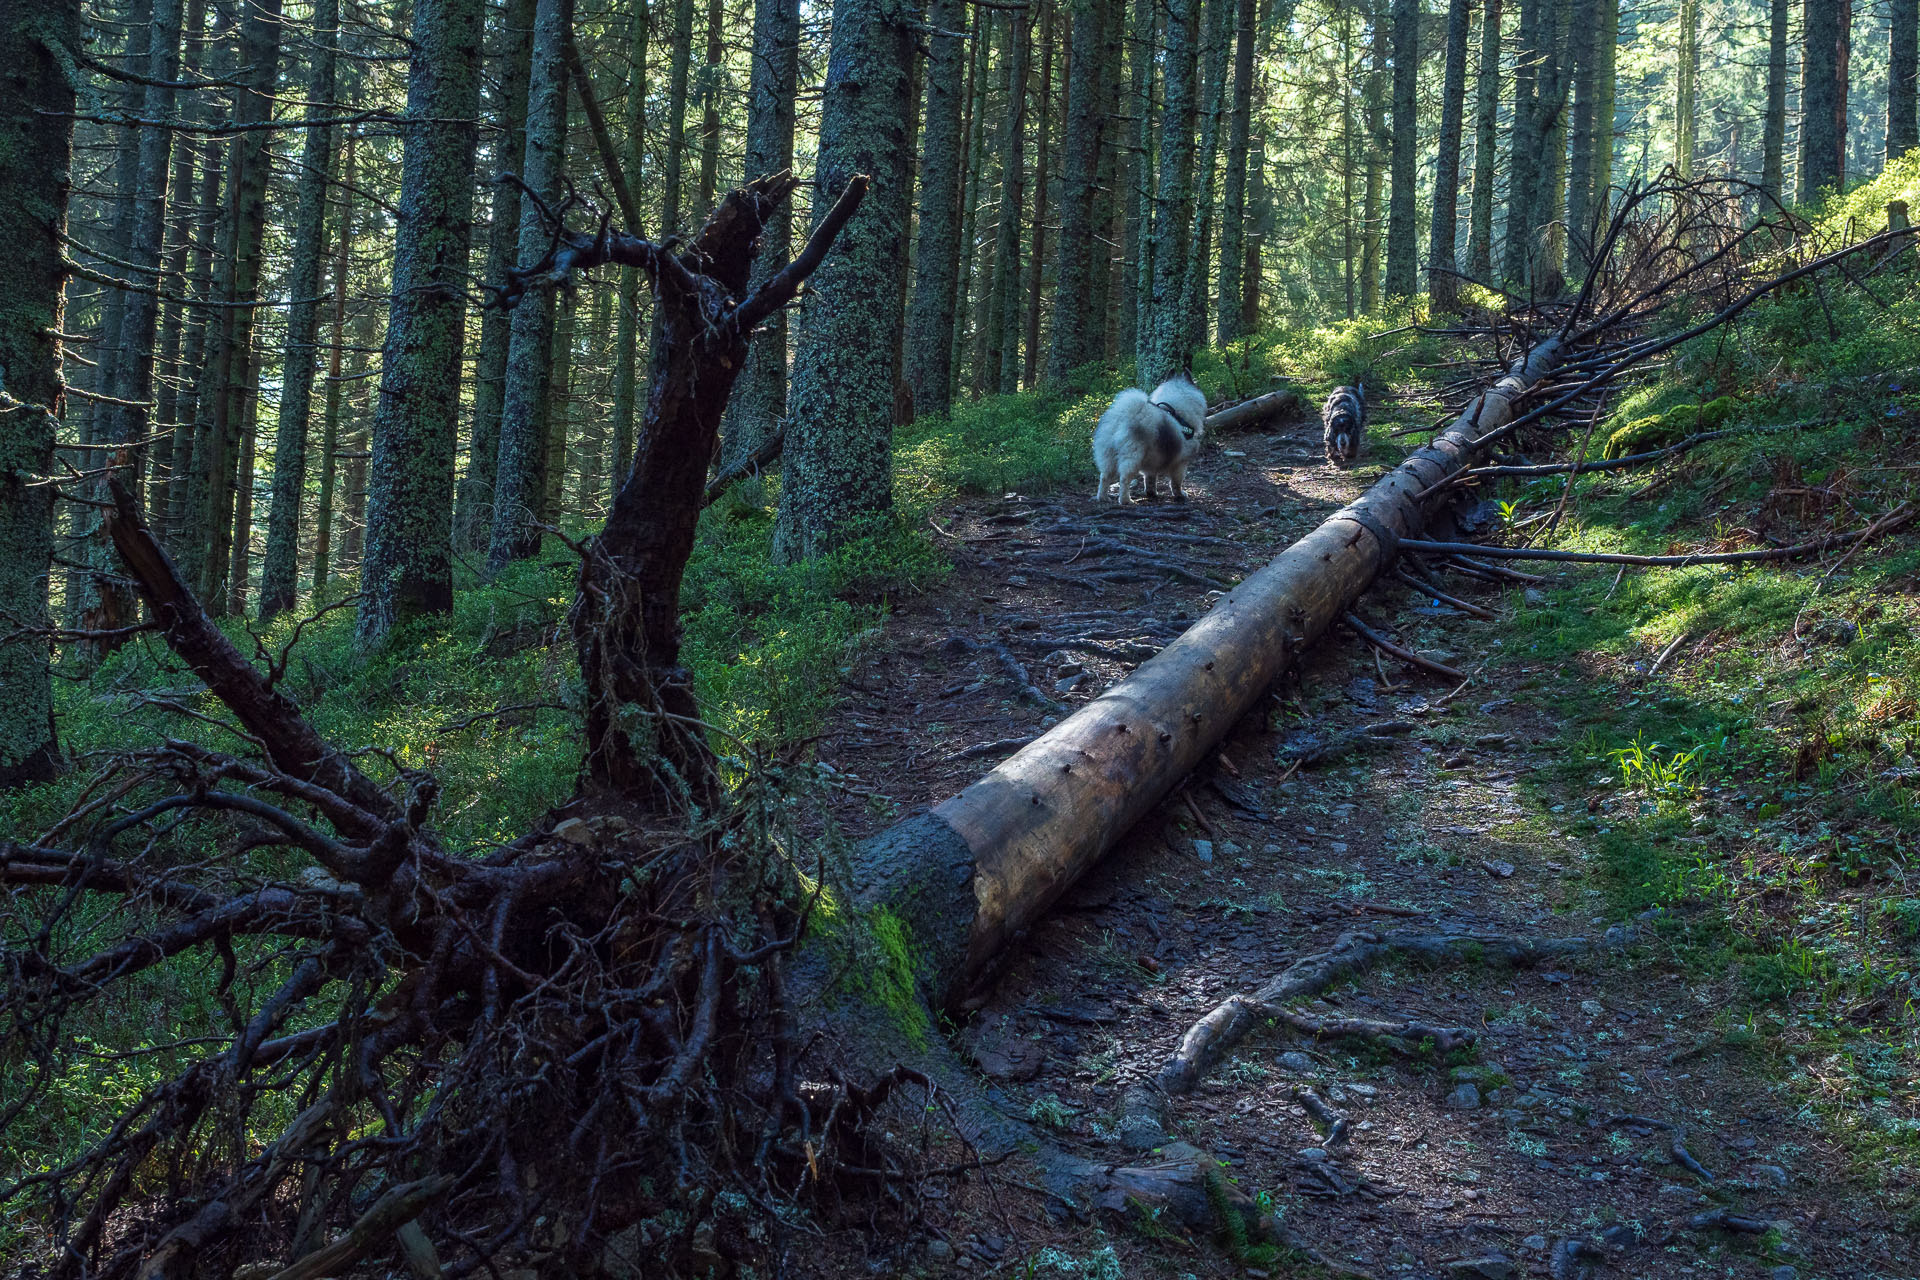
{"type": "Point", "coordinates": [473, 514]}
{"type": "Point", "coordinates": [710, 107]}
{"type": "Point", "coordinates": [1442, 286]}
{"type": "Point", "coordinates": [1773, 137]}
{"type": "Point", "coordinates": [1108, 296]}
{"type": "Point", "coordinates": [1822, 100]}
{"type": "Point", "coordinates": [972, 182]}
{"type": "Point", "coordinates": [838, 469]}
{"type": "Point", "coordinates": [336, 333]}
{"type": "Point", "coordinates": [930, 316]}
{"type": "Point", "coordinates": [1137, 269]}
{"type": "Point", "coordinates": [36, 155]}
{"type": "Point", "coordinates": [967, 877]}
{"type": "Point", "coordinates": [1403, 273]}
{"type": "Point", "coordinates": [1903, 64]}
{"type": "Point", "coordinates": [1164, 347]}
{"type": "Point", "coordinates": [559, 412]}
{"type": "Point", "coordinates": [1685, 77]}
{"type": "Point", "coordinates": [626, 355]}
{"type": "Point", "coordinates": [200, 326]}
{"type": "Point", "coordinates": [1233, 203]}
{"type": "Point", "coordinates": [279, 571]}
{"type": "Point", "coordinates": [1582, 46]}
{"type": "Point", "coordinates": [679, 65]}
{"type": "Point", "coordinates": [1376, 147]}
{"type": "Point", "coordinates": [407, 570]}
{"type": "Point", "coordinates": [1606, 48]}
{"type": "Point", "coordinates": [1523, 134]}
{"type": "Point", "coordinates": [760, 396]}
{"type": "Point", "coordinates": [1037, 255]}
{"type": "Point", "coordinates": [1217, 47]}
{"type": "Point", "coordinates": [1486, 124]}
{"type": "Point", "coordinates": [1001, 364]}
{"type": "Point", "coordinates": [182, 215]}
{"type": "Point", "coordinates": [520, 479]}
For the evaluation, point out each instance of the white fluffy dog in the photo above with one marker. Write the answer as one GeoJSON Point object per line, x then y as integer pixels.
{"type": "Point", "coordinates": [1149, 436]}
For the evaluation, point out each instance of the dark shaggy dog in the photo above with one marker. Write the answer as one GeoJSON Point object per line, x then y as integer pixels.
{"type": "Point", "coordinates": [1344, 421]}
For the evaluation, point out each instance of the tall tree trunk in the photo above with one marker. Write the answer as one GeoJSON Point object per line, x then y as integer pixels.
{"type": "Point", "coordinates": [1037, 257]}
{"type": "Point", "coordinates": [760, 394]}
{"type": "Point", "coordinates": [239, 576]}
{"type": "Point", "coordinates": [1002, 360]}
{"type": "Point", "coordinates": [1164, 342]}
{"type": "Point", "coordinates": [408, 567]}
{"type": "Point", "coordinates": [1108, 295]}
{"type": "Point", "coordinates": [710, 107]}
{"type": "Point", "coordinates": [593, 436]}
{"type": "Point", "coordinates": [1553, 96]}
{"type": "Point", "coordinates": [1261, 205]}
{"type": "Point", "coordinates": [1686, 72]}
{"type": "Point", "coordinates": [1773, 135]}
{"type": "Point", "coordinates": [36, 156]}
{"type": "Point", "coordinates": [473, 509]}
{"type": "Point", "coordinates": [1443, 287]}
{"type": "Point", "coordinates": [336, 339]}
{"type": "Point", "coordinates": [559, 412]}
{"type": "Point", "coordinates": [200, 326]}
{"type": "Point", "coordinates": [1137, 269]}
{"type": "Point", "coordinates": [1903, 63]}
{"type": "Point", "coordinates": [838, 462]}
{"type": "Point", "coordinates": [1218, 46]}
{"type": "Point", "coordinates": [930, 317]}
{"type": "Point", "coordinates": [182, 215]}
{"type": "Point", "coordinates": [1348, 159]}
{"type": "Point", "coordinates": [233, 370]}
{"type": "Point", "coordinates": [1379, 143]}
{"type": "Point", "coordinates": [1233, 204]}
{"type": "Point", "coordinates": [1073, 337]}
{"type": "Point", "coordinates": [1403, 272]}
{"type": "Point", "coordinates": [974, 131]}
{"type": "Point", "coordinates": [1523, 147]}
{"type": "Point", "coordinates": [279, 571]}
{"type": "Point", "coordinates": [1582, 44]}
{"type": "Point", "coordinates": [627, 323]}
{"type": "Point", "coordinates": [520, 480]}
{"type": "Point", "coordinates": [1606, 48]}
{"type": "Point", "coordinates": [1822, 101]}
{"type": "Point", "coordinates": [1842, 77]}
{"type": "Point", "coordinates": [1486, 124]}
{"type": "Point", "coordinates": [679, 65]}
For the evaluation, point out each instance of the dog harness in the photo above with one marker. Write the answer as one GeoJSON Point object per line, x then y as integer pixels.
{"type": "Point", "coordinates": [1188, 431]}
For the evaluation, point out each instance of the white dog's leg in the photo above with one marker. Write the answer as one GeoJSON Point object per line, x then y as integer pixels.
{"type": "Point", "coordinates": [1175, 477]}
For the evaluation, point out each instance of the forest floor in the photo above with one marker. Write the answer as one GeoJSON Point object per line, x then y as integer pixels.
{"type": "Point", "coordinates": [1483, 813]}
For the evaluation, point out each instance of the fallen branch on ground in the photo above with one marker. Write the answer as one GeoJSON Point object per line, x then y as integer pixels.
{"type": "Point", "coordinates": [1405, 655]}
{"type": "Point", "coordinates": [1882, 526]}
{"type": "Point", "coordinates": [1379, 733]}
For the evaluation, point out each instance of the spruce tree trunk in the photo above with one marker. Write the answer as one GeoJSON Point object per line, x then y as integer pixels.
{"type": "Point", "coordinates": [1217, 47]}
{"type": "Point", "coordinates": [239, 576]}
{"type": "Point", "coordinates": [679, 65]}
{"type": "Point", "coordinates": [1001, 362]}
{"type": "Point", "coordinates": [407, 570]}
{"type": "Point", "coordinates": [1486, 125]}
{"type": "Point", "coordinates": [231, 371]}
{"type": "Point", "coordinates": [838, 462]}
{"type": "Point", "coordinates": [593, 435]}
{"type": "Point", "coordinates": [1379, 142]}
{"type": "Point", "coordinates": [1402, 233]}
{"type": "Point", "coordinates": [520, 479]}
{"type": "Point", "coordinates": [1582, 43]}
{"type": "Point", "coordinates": [626, 355]}
{"type": "Point", "coordinates": [1108, 296]}
{"type": "Point", "coordinates": [336, 339]}
{"type": "Point", "coordinates": [1164, 349]}
{"type": "Point", "coordinates": [1773, 135]}
{"type": "Point", "coordinates": [1233, 203]}
{"type": "Point", "coordinates": [200, 326]}
{"type": "Point", "coordinates": [1553, 95]}
{"type": "Point", "coordinates": [1443, 286]}
{"type": "Point", "coordinates": [559, 412]}
{"type": "Point", "coordinates": [1074, 322]}
{"type": "Point", "coordinates": [1261, 205]}
{"type": "Point", "coordinates": [710, 108]}
{"type": "Point", "coordinates": [1903, 55]}
{"type": "Point", "coordinates": [279, 571]}
{"type": "Point", "coordinates": [36, 155]}
{"type": "Point", "coordinates": [1523, 147]}
{"type": "Point", "coordinates": [1137, 269]}
{"type": "Point", "coordinates": [177, 235]}
{"type": "Point", "coordinates": [760, 394]}
{"type": "Point", "coordinates": [1606, 48]}
{"type": "Point", "coordinates": [1842, 75]}
{"type": "Point", "coordinates": [1348, 159]}
{"type": "Point", "coordinates": [972, 182]}
{"type": "Point", "coordinates": [930, 315]}
{"type": "Point", "coordinates": [1037, 255]}
{"type": "Point", "coordinates": [473, 511]}
{"type": "Point", "coordinates": [1821, 99]}
{"type": "Point", "coordinates": [1685, 76]}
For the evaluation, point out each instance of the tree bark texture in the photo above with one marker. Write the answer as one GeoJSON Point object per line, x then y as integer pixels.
{"type": "Point", "coordinates": [1233, 199]}
{"type": "Point", "coordinates": [1137, 270]}
{"type": "Point", "coordinates": [1164, 350]}
{"type": "Point", "coordinates": [1773, 136]}
{"type": "Point", "coordinates": [1403, 275]}
{"type": "Point", "coordinates": [837, 476]}
{"type": "Point", "coordinates": [1376, 146]}
{"type": "Point", "coordinates": [968, 876]}
{"type": "Point", "coordinates": [1037, 255]}
{"type": "Point", "coordinates": [473, 508]}
{"type": "Point", "coordinates": [760, 396]}
{"type": "Point", "coordinates": [1442, 286]}
{"type": "Point", "coordinates": [330, 413]}
{"type": "Point", "coordinates": [279, 569]}
{"type": "Point", "coordinates": [930, 315]}
{"type": "Point", "coordinates": [1217, 47]}
{"type": "Point", "coordinates": [407, 569]}
{"type": "Point", "coordinates": [1606, 50]}
{"type": "Point", "coordinates": [626, 340]}
{"type": "Point", "coordinates": [1822, 99]}
{"type": "Point", "coordinates": [1075, 324]}
{"type": "Point", "coordinates": [1001, 365]}
{"type": "Point", "coordinates": [181, 215]}
{"type": "Point", "coordinates": [1686, 75]}
{"type": "Point", "coordinates": [1582, 45]}
{"type": "Point", "coordinates": [520, 478]}
{"type": "Point", "coordinates": [679, 66]}
{"type": "Point", "coordinates": [1486, 124]}
{"type": "Point", "coordinates": [710, 76]}
{"type": "Point", "coordinates": [1903, 64]}
{"type": "Point", "coordinates": [36, 155]}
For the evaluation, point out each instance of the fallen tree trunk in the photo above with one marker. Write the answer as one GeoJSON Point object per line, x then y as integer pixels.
{"type": "Point", "coordinates": [1255, 411]}
{"type": "Point", "coordinates": [969, 876]}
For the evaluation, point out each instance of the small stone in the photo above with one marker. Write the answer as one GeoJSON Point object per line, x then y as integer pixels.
{"type": "Point", "coordinates": [574, 831]}
{"type": "Point", "coordinates": [1313, 1155]}
{"type": "Point", "coordinates": [1783, 1273]}
{"type": "Point", "coordinates": [939, 1251]}
{"type": "Point", "coordinates": [1271, 849]}
{"type": "Point", "coordinates": [1297, 1062]}
{"type": "Point", "coordinates": [1497, 869]}
{"type": "Point", "coordinates": [1618, 935]}
{"type": "Point", "coordinates": [1536, 597]}
{"type": "Point", "coordinates": [1065, 668]}
{"type": "Point", "coordinates": [1366, 1091]}
{"type": "Point", "coordinates": [1016, 579]}
{"type": "Point", "coordinates": [1228, 849]}
{"type": "Point", "coordinates": [1338, 846]}
{"type": "Point", "coordinates": [1592, 1008]}
{"type": "Point", "coordinates": [1771, 1173]}
{"type": "Point", "coordinates": [1069, 684]}
{"type": "Point", "coordinates": [1538, 1244]}
{"type": "Point", "coordinates": [1203, 850]}
{"type": "Point", "coordinates": [1489, 1266]}
{"type": "Point", "coordinates": [1464, 1097]}
{"type": "Point", "coordinates": [1437, 655]}
{"type": "Point", "coordinates": [1620, 1236]}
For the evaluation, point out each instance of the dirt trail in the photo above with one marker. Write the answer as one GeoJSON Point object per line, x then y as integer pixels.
{"type": "Point", "coordinates": [1546, 1154]}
